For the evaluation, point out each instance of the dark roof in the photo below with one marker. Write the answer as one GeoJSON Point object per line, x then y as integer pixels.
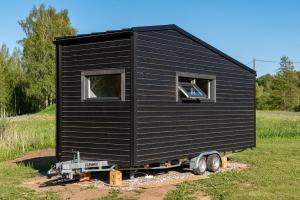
{"type": "Point", "coordinates": [152, 28]}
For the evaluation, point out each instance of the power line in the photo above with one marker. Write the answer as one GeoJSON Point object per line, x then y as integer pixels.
{"type": "Point", "coordinates": [273, 61]}
{"type": "Point", "coordinates": [254, 61]}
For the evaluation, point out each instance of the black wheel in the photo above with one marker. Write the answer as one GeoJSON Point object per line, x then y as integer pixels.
{"type": "Point", "coordinates": [201, 167]}
{"type": "Point", "coordinates": [213, 162]}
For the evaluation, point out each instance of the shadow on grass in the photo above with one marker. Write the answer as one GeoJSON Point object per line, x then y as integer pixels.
{"type": "Point", "coordinates": [42, 164]}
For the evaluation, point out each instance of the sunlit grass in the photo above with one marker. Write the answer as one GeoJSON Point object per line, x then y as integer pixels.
{"type": "Point", "coordinates": [275, 166]}
{"type": "Point", "coordinates": [275, 171]}
{"type": "Point", "coordinates": [270, 125]}
{"type": "Point", "coordinates": [25, 133]}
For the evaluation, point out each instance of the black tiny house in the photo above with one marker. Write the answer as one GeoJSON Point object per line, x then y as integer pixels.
{"type": "Point", "coordinates": [148, 95]}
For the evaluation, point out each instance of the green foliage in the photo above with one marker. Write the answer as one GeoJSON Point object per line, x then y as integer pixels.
{"type": "Point", "coordinates": [40, 28]}
{"type": "Point", "coordinates": [49, 110]}
{"type": "Point", "coordinates": [11, 77]}
{"type": "Point", "coordinates": [274, 172]}
{"type": "Point", "coordinates": [27, 77]}
{"type": "Point", "coordinates": [281, 91]}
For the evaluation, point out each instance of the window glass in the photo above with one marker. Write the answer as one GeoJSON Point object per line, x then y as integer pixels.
{"type": "Point", "coordinates": [191, 90]}
{"type": "Point", "coordinates": [104, 86]}
{"type": "Point", "coordinates": [195, 88]}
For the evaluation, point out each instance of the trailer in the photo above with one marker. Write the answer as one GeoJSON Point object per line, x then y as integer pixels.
{"type": "Point", "coordinates": [149, 97]}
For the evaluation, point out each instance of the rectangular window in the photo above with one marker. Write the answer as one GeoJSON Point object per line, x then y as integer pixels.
{"type": "Point", "coordinates": [103, 85]}
{"type": "Point", "coordinates": [195, 87]}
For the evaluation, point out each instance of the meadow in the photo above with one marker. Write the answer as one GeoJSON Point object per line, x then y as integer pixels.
{"type": "Point", "coordinates": [26, 133]}
{"type": "Point", "coordinates": [274, 172]}
{"type": "Point", "coordinates": [275, 166]}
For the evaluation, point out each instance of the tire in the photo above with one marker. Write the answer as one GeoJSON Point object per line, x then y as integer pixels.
{"type": "Point", "coordinates": [201, 167]}
{"type": "Point", "coordinates": [213, 163]}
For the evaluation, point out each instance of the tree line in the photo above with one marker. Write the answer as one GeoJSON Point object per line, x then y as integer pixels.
{"type": "Point", "coordinates": [280, 91]}
{"type": "Point", "coordinates": [27, 74]}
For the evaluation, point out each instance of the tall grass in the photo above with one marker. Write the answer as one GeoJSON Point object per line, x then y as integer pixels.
{"type": "Point", "coordinates": [30, 132]}
{"type": "Point", "coordinates": [270, 125]}
{"type": "Point", "coordinates": [25, 133]}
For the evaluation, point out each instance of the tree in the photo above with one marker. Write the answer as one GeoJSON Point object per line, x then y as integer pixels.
{"type": "Point", "coordinates": [4, 90]}
{"type": "Point", "coordinates": [286, 65]}
{"type": "Point", "coordinates": [264, 89]}
{"type": "Point", "coordinates": [15, 80]}
{"type": "Point", "coordinates": [40, 28]}
{"type": "Point", "coordinates": [286, 85]}
{"type": "Point", "coordinates": [11, 76]}
{"type": "Point", "coordinates": [280, 91]}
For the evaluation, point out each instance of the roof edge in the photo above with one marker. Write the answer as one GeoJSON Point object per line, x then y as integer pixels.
{"type": "Point", "coordinates": [59, 40]}
{"type": "Point", "coordinates": [91, 35]}
{"type": "Point", "coordinates": [215, 49]}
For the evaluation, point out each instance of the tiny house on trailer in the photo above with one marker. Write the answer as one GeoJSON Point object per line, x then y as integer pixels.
{"type": "Point", "coordinates": [150, 95]}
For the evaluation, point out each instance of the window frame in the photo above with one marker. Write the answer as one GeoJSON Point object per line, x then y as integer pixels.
{"type": "Point", "coordinates": [211, 90]}
{"type": "Point", "coordinates": [85, 84]}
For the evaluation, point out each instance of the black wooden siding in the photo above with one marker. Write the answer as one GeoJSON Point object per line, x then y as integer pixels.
{"type": "Point", "coordinates": [99, 130]}
{"type": "Point", "coordinates": [166, 129]}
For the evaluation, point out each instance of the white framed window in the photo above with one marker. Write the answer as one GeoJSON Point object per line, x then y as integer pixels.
{"type": "Point", "coordinates": [103, 85]}
{"type": "Point", "coordinates": [195, 87]}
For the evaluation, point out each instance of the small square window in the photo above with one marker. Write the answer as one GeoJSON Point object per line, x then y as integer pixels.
{"type": "Point", "coordinates": [195, 87]}
{"type": "Point", "coordinates": [103, 85]}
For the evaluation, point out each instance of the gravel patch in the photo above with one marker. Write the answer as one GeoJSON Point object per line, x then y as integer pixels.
{"type": "Point", "coordinates": [157, 178]}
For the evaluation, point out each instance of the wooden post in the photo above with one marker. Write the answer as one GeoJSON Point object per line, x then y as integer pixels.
{"type": "Point", "coordinates": [115, 178]}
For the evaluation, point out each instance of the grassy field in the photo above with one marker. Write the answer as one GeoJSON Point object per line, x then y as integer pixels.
{"type": "Point", "coordinates": [275, 171]}
{"type": "Point", "coordinates": [26, 132]}
{"type": "Point", "coordinates": [18, 135]}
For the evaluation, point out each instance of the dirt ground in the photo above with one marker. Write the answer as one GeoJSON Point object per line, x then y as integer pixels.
{"type": "Point", "coordinates": [154, 188]}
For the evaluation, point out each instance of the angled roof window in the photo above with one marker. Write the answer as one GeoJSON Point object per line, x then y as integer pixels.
{"type": "Point", "coordinates": [195, 87]}
{"type": "Point", "coordinates": [191, 90]}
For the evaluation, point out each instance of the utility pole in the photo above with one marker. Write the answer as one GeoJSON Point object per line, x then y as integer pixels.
{"type": "Point", "coordinates": [254, 63]}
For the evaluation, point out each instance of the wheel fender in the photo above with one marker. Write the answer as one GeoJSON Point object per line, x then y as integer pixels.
{"type": "Point", "coordinates": [194, 162]}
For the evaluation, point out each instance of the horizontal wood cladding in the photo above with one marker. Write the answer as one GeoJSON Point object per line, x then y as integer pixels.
{"type": "Point", "coordinates": [160, 155]}
{"type": "Point", "coordinates": [150, 126]}
{"type": "Point", "coordinates": [166, 129]}
{"type": "Point", "coordinates": [88, 154]}
{"type": "Point", "coordinates": [99, 130]}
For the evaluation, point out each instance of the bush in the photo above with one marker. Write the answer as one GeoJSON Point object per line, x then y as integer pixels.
{"type": "Point", "coordinates": [297, 108]}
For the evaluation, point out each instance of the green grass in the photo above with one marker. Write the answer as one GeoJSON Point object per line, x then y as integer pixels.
{"type": "Point", "coordinates": [11, 175]}
{"type": "Point", "coordinates": [275, 171]}
{"type": "Point", "coordinates": [115, 195]}
{"type": "Point", "coordinates": [272, 125]}
{"type": "Point", "coordinates": [26, 133]}
{"type": "Point", "coordinates": [18, 135]}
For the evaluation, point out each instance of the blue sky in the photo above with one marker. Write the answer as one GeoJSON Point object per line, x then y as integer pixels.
{"type": "Point", "coordinates": [262, 29]}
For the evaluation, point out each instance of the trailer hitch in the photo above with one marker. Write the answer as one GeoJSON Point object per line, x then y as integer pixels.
{"type": "Point", "coordinates": [71, 169]}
